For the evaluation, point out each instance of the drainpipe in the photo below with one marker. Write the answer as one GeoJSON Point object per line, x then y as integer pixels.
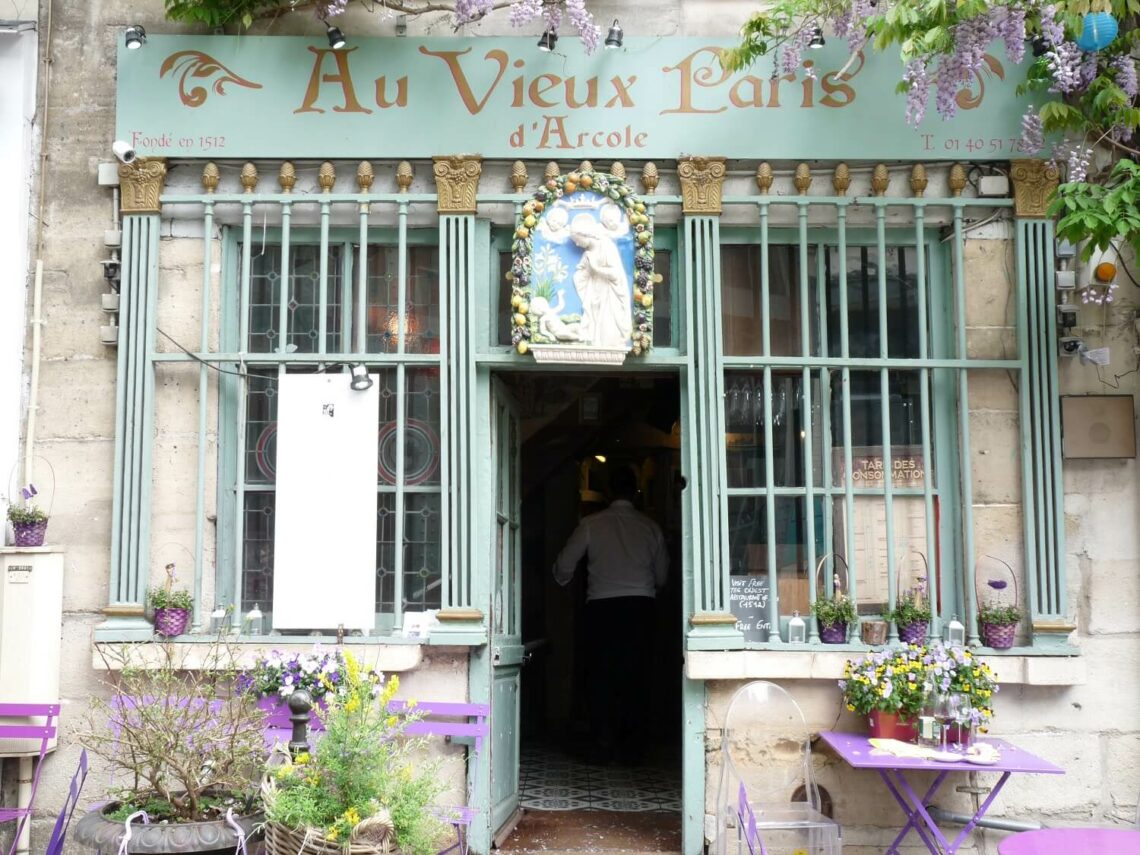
{"type": "Point", "coordinates": [940, 815]}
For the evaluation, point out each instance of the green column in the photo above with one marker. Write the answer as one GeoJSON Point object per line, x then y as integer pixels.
{"type": "Point", "coordinates": [141, 184]}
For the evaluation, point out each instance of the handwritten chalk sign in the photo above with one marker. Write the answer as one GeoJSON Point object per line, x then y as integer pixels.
{"type": "Point", "coordinates": [748, 601]}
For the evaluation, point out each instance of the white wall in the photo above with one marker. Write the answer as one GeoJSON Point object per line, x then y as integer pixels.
{"type": "Point", "coordinates": [17, 113]}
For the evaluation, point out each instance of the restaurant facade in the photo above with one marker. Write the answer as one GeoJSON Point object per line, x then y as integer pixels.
{"type": "Point", "coordinates": [357, 381]}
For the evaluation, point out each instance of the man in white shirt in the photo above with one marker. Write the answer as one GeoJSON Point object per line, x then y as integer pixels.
{"type": "Point", "coordinates": [627, 564]}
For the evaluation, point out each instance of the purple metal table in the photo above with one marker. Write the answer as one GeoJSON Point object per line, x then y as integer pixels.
{"type": "Point", "coordinates": [1071, 841]}
{"type": "Point", "coordinates": [858, 752]}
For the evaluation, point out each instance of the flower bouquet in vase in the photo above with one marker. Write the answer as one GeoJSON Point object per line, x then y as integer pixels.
{"type": "Point", "coordinates": [997, 619]}
{"type": "Point", "coordinates": [956, 671]}
{"type": "Point", "coordinates": [887, 688]}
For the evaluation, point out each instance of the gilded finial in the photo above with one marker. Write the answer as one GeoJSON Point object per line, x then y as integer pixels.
{"type": "Point", "coordinates": [880, 178]}
{"type": "Point", "coordinates": [404, 176]}
{"type": "Point", "coordinates": [918, 180]}
{"type": "Point", "coordinates": [326, 177]}
{"type": "Point", "coordinates": [365, 176]}
{"type": "Point", "coordinates": [210, 177]}
{"type": "Point", "coordinates": [802, 178]}
{"type": "Point", "coordinates": [519, 176]}
{"type": "Point", "coordinates": [287, 177]}
{"type": "Point", "coordinates": [618, 170]}
{"type": "Point", "coordinates": [957, 179]}
{"type": "Point", "coordinates": [764, 177]}
{"type": "Point", "coordinates": [586, 166]}
{"type": "Point", "coordinates": [249, 177]}
{"type": "Point", "coordinates": [841, 180]}
{"type": "Point", "coordinates": [552, 171]}
{"type": "Point", "coordinates": [649, 177]}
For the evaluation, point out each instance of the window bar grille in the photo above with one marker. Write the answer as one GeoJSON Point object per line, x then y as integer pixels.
{"type": "Point", "coordinates": [448, 504]}
{"type": "Point", "coordinates": [826, 442]}
{"type": "Point", "coordinates": [203, 406]}
{"type": "Point", "coordinates": [716, 408]}
{"type": "Point", "coordinates": [885, 410]}
{"type": "Point", "coordinates": [242, 392]}
{"type": "Point", "coordinates": [807, 441]}
{"type": "Point", "coordinates": [845, 353]}
{"type": "Point", "coordinates": [690, 386]}
{"type": "Point", "coordinates": [965, 460]}
{"type": "Point", "coordinates": [401, 413]}
{"type": "Point", "coordinates": [769, 453]}
{"type": "Point", "coordinates": [360, 345]}
{"type": "Point", "coordinates": [932, 558]}
{"type": "Point", "coordinates": [323, 285]}
{"type": "Point", "coordinates": [1026, 390]}
{"type": "Point", "coordinates": [1052, 448]}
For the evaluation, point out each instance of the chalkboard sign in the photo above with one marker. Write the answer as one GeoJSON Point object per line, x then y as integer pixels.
{"type": "Point", "coordinates": [748, 600]}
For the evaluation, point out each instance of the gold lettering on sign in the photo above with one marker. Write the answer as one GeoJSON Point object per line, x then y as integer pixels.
{"type": "Point", "coordinates": [194, 66]}
{"type": "Point", "coordinates": [343, 77]}
{"type": "Point", "coordinates": [702, 183]}
{"type": "Point", "coordinates": [401, 93]}
{"type": "Point", "coordinates": [693, 75]}
{"type": "Point", "coordinates": [456, 183]}
{"type": "Point", "coordinates": [141, 184]}
{"type": "Point", "coordinates": [451, 58]}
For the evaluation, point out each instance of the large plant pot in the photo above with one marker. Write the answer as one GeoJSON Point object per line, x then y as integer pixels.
{"type": "Point", "coordinates": [999, 637]}
{"type": "Point", "coordinates": [170, 622]}
{"type": "Point", "coordinates": [833, 633]}
{"type": "Point", "coordinates": [913, 633]}
{"type": "Point", "coordinates": [215, 837]}
{"type": "Point", "coordinates": [29, 534]}
{"type": "Point", "coordinates": [888, 725]}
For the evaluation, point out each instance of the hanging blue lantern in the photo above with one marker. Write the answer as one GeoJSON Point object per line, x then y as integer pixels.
{"type": "Point", "coordinates": [1098, 31]}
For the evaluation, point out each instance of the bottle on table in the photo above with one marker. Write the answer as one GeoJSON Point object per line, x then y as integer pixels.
{"type": "Point", "coordinates": [928, 733]}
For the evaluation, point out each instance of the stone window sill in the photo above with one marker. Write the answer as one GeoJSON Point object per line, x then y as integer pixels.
{"type": "Point", "coordinates": [1016, 667]}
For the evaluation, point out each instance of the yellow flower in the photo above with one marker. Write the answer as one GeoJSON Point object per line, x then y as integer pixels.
{"type": "Point", "coordinates": [352, 704]}
{"type": "Point", "coordinates": [302, 758]}
{"type": "Point", "coordinates": [331, 834]}
{"type": "Point", "coordinates": [850, 708]}
{"type": "Point", "coordinates": [352, 816]}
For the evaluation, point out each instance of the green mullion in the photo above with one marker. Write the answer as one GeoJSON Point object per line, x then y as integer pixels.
{"type": "Point", "coordinates": [1046, 361]}
{"type": "Point", "coordinates": [149, 322]}
{"type": "Point", "coordinates": [964, 436]}
{"type": "Point", "coordinates": [848, 464]}
{"type": "Point", "coordinates": [448, 518]}
{"type": "Point", "coordinates": [692, 260]}
{"type": "Point", "coordinates": [323, 289]}
{"type": "Point", "coordinates": [242, 403]}
{"type": "Point", "coordinates": [716, 514]}
{"type": "Point", "coordinates": [805, 407]}
{"type": "Point", "coordinates": [822, 288]}
{"type": "Point", "coordinates": [134, 328]}
{"type": "Point", "coordinates": [1053, 400]}
{"type": "Point", "coordinates": [885, 413]}
{"type": "Point", "coordinates": [360, 329]}
{"type": "Point", "coordinates": [203, 407]}
{"type": "Point", "coordinates": [398, 533]}
{"type": "Point", "coordinates": [769, 453]}
{"type": "Point", "coordinates": [934, 628]}
{"type": "Point", "coordinates": [283, 342]}
{"type": "Point", "coordinates": [1037, 391]}
{"type": "Point", "coordinates": [347, 301]}
{"type": "Point", "coordinates": [469, 299]}
{"type": "Point", "coordinates": [717, 409]}
{"type": "Point", "coordinates": [691, 435]}
{"type": "Point", "coordinates": [1029, 517]}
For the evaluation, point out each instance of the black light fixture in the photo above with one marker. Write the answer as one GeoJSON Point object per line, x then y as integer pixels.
{"type": "Point", "coordinates": [548, 41]}
{"type": "Point", "coordinates": [135, 37]}
{"type": "Point", "coordinates": [112, 268]}
{"type": "Point", "coordinates": [336, 38]}
{"type": "Point", "coordinates": [1040, 46]}
{"type": "Point", "coordinates": [614, 39]}
{"type": "Point", "coordinates": [360, 378]}
{"type": "Point", "coordinates": [817, 39]}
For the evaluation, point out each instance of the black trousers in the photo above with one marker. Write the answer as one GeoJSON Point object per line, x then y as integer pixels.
{"type": "Point", "coordinates": [621, 665]}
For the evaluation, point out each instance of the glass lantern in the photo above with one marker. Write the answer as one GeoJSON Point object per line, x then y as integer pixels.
{"type": "Point", "coordinates": [797, 629]}
{"type": "Point", "coordinates": [955, 632]}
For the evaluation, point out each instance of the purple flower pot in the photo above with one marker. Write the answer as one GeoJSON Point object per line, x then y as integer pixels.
{"type": "Point", "coordinates": [833, 633]}
{"type": "Point", "coordinates": [913, 633]}
{"type": "Point", "coordinates": [999, 637]}
{"type": "Point", "coordinates": [29, 534]}
{"type": "Point", "coordinates": [170, 622]}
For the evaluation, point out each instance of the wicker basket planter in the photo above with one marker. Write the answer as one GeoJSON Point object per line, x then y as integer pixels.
{"type": "Point", "coordinates": [373, 835]}
{"type": "Point", "coordinates": [29, 534]}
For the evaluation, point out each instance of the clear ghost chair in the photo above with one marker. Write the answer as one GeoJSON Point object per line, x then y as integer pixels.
{"type": "Point", "coordinates": [768, 802]}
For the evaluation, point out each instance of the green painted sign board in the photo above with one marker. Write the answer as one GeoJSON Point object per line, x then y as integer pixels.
{"type": "Point", "coordinates": [276, 96]}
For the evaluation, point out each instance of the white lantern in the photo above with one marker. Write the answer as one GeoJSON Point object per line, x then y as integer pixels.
{"type": "Point", "coordinates": [797, 629]}
{"type": "Point", "coordinates": [955, 632]}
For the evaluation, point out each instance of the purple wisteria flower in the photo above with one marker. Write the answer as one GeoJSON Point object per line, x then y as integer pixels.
{"type": "Point", "coordinates": [1032, 141]}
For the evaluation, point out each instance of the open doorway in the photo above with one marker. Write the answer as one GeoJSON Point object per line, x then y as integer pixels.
{"type": "Point", "coordinates": [576, 431]}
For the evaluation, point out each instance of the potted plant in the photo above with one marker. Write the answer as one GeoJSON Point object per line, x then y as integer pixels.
{"type": "Point", "coordinates": [182, 745]}
{"type": "Point", "coordinates": [172, 606]}
{"type": "Point", "coordinates": [834, 614]}
{"type": "Point", "coordinates": [359, 790]}
{"type": "Point", "coordinates": [277, 674]}
{"type": "Point", "coordinates": [997, 620]}
{"type": "Point", "coordinates": [956, 670]}
{"type": "Point", "coordinates": [29, 521]}
{"type": "Point", "coordinates": [879, 686]}
{"type": "Point", "coordinates": [911, 614]}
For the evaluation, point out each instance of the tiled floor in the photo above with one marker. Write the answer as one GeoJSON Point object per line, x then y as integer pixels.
{"type": "Point", "coordinates": [552, 780]}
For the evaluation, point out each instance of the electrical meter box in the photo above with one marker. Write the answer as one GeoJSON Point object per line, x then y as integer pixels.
{"type": "Point", "coordinates": [31, 623]}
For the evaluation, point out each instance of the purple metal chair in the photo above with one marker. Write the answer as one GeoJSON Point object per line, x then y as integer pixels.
{"type": "Point", "coordinates": [44, 732]}
{"type": "Point", "coordinates": [59, 833]}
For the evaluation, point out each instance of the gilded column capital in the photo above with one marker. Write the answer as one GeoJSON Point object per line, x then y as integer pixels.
{"type": "Point", "coordinates": [702, 184]}
{"type": "Point", "coordinates": [456, 183]}
{"type": "Point", "coordinates": [140, 185]}
{"type": "Point", "coordinates": [1033, 183]}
